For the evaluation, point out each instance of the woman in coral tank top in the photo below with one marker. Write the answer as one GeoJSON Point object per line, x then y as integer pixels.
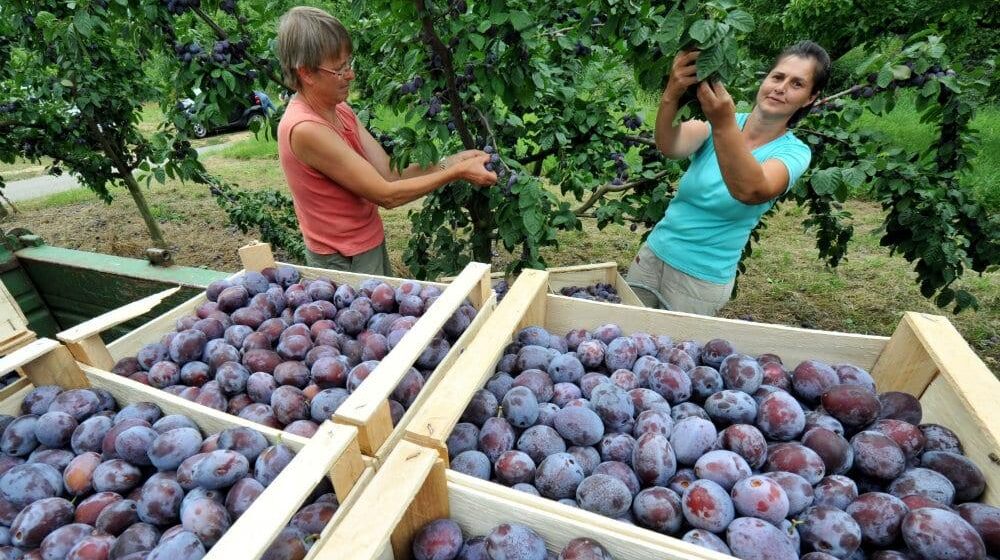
{"type": "Point", "coordinates": [337, 172]}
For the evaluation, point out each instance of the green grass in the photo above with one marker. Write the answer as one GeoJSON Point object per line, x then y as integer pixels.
{"type": "Point", "coordinates": [64, 198]}
{"type": "Point", "coordinates": [251, 148]}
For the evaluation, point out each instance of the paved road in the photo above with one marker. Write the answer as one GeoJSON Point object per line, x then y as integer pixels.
{"type": "Point", "coordinates": [37, 187]}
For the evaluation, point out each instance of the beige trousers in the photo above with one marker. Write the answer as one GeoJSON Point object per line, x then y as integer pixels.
{"type": "Point", "coordinates": [681, 291]}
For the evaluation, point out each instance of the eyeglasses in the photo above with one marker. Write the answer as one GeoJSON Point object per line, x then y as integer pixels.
{"type": "Point", "coordinates": [347, 68]}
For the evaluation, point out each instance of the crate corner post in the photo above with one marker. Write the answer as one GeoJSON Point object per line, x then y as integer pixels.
{"type": "Point", "coordinates": [256, 256]}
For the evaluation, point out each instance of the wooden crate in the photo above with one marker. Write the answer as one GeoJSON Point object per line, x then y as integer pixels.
{"type": "Point", "coordinates": [581, 275]}
{"type": "Point", "coordinates": [925, 356]}
{"type": "Point", "coordinates": [332, 452]}
{"type": "Point", "coordinates": [590, 274]}
{"type": "Point", "coordinates": [413, 487]}
{"type": "Point", "coordinates": [367, 408]}
{"type": "Point", "coordinates": [14, 334]}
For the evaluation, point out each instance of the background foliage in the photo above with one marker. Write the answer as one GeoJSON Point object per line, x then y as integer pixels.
{"type": "Point", "coordinates": [553, 93]}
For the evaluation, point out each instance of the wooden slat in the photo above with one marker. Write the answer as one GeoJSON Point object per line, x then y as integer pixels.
{"type": "Point", "coordinates": [367, 407]}
{"type": "Point", "coordinates": [97, 325]}
{"type": "Point", "coordinates": [27, 354]}
{"type": "Point", "coordinates": [17, 341]}
{"type": "Point", "coordinates": [45, 362]}
{"type": "Point", "coordinates": [14, 388]}
{"type": "Point", "coordinates": [792, 344]}
{"type": "Point", "coordinates": [479, 506]}
{"type": "Point", "coordinates": [11, 405]}
{"type": "Point", "coordinates": [357, 491]}
{"type": "Point", "coordinates": [211, 420]}
{"type": "Point", "coordinates": [430, 385]}
{"type": "Point", "coordinates": [152, 331]}
{"type": "Point", "coordinates": [384, 504]}
{"type": "Point", "coordinates": [582, 275]}
{"type": "Point", "coordinates": [256, 256]}
{"type": "Point", "coordinates": [964, 395]}
{"type": "Point", "coordinates": [249, 537]}
{"type": "Point", "coordinates": [905, 364]}
{"type": "Point", "coordinates": [92, 351]}
{"type": "Point", "coordinates": [430, 503]}
{"type": "Point", "coordinates": [435, 419]}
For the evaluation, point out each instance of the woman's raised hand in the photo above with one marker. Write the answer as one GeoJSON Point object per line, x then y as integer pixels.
{"type": "Point", "coordinates": [683, 74]}
{"type": "Point", "coordinates": [473, 168]}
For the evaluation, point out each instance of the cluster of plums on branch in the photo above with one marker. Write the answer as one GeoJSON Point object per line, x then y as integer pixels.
{"type": "Point", "coordinates": [737, 453]}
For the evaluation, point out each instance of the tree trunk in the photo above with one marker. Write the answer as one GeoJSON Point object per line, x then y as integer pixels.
{"type": "Point", "coordinates": [140, 202]}
{"type": "Point", "coordinates": [483, 226]}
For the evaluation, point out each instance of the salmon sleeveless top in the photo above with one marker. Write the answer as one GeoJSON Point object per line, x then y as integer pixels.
{"type": "Point", "coordinates": [332, 218]}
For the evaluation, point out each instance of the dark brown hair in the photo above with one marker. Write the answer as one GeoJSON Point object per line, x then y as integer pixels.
{"type": "Point", "coordinates": [821, 72]}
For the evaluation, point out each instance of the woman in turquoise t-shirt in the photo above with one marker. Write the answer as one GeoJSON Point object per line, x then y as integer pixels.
{"type": "Point", "coordinates": [740, 164]}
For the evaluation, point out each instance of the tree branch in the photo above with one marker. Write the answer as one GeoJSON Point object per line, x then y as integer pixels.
{"type": "Point", "coordinates": [222, 35]}
{"type": "Point", "coordinates": [448, 70]}
{"type": "Point", "coordinates": [637, 139]}
{"type": "Point", "coordinates": [823, 135]}
{"type": "Point", "coordinates": [609, 188]}
{"type": "Point", "coordinates": [219, 32]}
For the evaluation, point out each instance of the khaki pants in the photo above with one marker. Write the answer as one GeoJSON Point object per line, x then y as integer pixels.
{"type": "Point", "coordinates": [374, 261]}
{"type": "Point", "coordinates": [681, 291]}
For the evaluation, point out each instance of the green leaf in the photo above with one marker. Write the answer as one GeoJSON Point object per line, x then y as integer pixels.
{"type": "Point", "coordinates": [901, 72]}
{"type": "Point", "coordinates": [701, 30]}
{"type": "Point", "coordinates": [521, 20]}
{"type": "Point", "coordinates": [885, 76]}
{"type": "Point", "coordinates": [477, 40]}
{"type": "Point", "coordinates": [83, 24]}
{"type": "Point", "coordinates": [965, 300]}
{"type": "Point", "coordinates": [230, 80]}
{"type": "Point", "coordinates": [710, 61]}
{"type": "Point", "coordinates": [740, 21]}
{"type": "Point", "coordinates": [825, 181]}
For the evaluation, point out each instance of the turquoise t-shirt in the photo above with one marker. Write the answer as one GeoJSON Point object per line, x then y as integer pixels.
{"type": "Point", "coordinates": [705, 229]}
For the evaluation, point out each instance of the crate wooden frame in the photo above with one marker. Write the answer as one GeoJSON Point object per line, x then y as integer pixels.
{"type": "Point", "coordinates": [589, 274]}
{"type": "Point", "coordinates": [367, 408]}
{"type": "Point", "coordinates": [413, 487]}
{"type": "Point", "coordinates": [14, 334]}
{"type": "Point", "coordinates": [581, 275]}
{"type": "Point", "coordinates": [332, 452]}
{"type": "Point", "coordinates": [925, 356]}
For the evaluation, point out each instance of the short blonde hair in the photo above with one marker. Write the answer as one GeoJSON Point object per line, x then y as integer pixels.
{"type": "Point", "coordinates": [306, 37]}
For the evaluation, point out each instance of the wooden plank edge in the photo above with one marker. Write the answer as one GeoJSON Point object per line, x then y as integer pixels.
{"type": "Point", "coordinates": [115, 317]}
{"type": "Point", "coordinates": [253, 532]}
{"type": "Point", "coordinates": [256, 256]}
{"type": "Point", "coordinates": [345, 506]}
{"type": "Point", "coordinates": [12, 404]}
{"type": "Point", "coordinates": [364, 532]}
{"type": "Point", "coordinates": [353, 278]}
{"type": "Point", "coordinates": [438, 415]}
{"type": "Point", "coordinates": [127, 390]}
{"type": "Point", "coordinates": [365, 405]}
{"type": "Point", "coordinates": [129, 344]}
{"type": "Point", "coordinates": [479, 505]}
{"type": "Point", "coordinates": [14, 388]}
{"type": "Point", "coordinates": [794, 344]}
{"type": "Point", "coordinates": [27, 354]}
{"type": "Point", "coordinates": [461, 345]}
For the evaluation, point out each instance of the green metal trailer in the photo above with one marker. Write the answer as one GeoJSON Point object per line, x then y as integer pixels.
{"type": "Point", "coordinates": [59, 288]}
